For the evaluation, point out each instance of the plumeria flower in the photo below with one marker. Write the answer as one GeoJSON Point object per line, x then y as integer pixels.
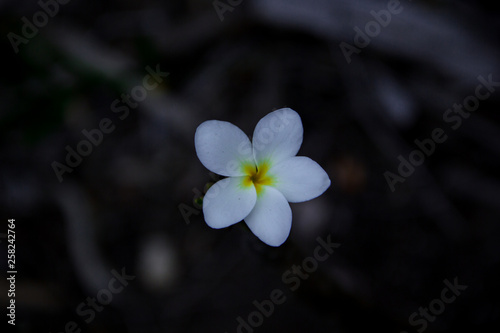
{"type": "Point", "coordinates": [262, 175]}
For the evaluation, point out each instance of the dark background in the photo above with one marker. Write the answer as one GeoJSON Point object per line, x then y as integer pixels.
{"type": "Point", "coordinates": [120, 208]}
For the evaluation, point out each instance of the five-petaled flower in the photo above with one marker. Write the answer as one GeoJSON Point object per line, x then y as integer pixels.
{"type": "Point", "coordinates": [263, 175]}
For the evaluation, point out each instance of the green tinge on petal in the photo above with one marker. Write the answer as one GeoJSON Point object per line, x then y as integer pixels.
{"type": "Point", "coordinates": [258, 176]}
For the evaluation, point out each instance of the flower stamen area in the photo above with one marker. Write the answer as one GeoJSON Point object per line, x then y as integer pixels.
{"type": "Point", "coordinates": [257, 176]}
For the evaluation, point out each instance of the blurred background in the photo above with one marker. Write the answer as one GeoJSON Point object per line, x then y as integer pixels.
{"type": "Point", "coordinates": [75, 70]}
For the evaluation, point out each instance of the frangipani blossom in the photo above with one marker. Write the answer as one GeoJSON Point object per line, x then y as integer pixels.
{"type": "Point", "coordinates": [263, 176]}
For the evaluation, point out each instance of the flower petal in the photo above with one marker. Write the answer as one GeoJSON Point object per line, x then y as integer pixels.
{"type": "Point", "coordinates": [222, 147]}
{"type": "Point", "coordinates": [228, 202]}
{"type": "Point", "coordinates": [271, 218]}
{"type": "Point", "coordinates": [277, 136]}
{"type": "Point", "coordinates": [300, 179]}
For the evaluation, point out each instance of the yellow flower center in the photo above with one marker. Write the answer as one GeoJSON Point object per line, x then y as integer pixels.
{"type": "Point", "coordinates": [258, 176]}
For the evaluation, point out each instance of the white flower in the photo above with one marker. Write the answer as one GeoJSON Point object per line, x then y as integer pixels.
{"type": "Point", "coordinates": [263, 176]}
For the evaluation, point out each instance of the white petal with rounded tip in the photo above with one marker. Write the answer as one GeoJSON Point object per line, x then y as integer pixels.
{"type": "Point", "coordinates": [277, 136]}
{"type": "Point", "coordinates": [271, 218]}
{"type": "Point", "coordinates": [228, 202]}
{"type": "Point", "coordinates": [222, 147]}
{"type": "Point", "coordinates": [300, 179]}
